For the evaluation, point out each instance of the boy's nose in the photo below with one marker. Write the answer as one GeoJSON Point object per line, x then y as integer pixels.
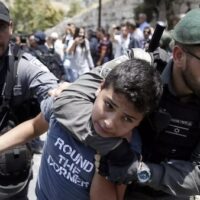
{"type": "Point", "coordinates": [109, 123]}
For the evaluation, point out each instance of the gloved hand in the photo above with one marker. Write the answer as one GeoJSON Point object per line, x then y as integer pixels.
{"type": "Point", "coordinates": [158, 58]}
{"type": "Point", "coordinates": [141, 54]}
{"type": "Point", "coordinates": [120, 165]}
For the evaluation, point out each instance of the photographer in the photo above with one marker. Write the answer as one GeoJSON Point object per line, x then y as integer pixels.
{"type": "Point", "coordinates": [79, 51]}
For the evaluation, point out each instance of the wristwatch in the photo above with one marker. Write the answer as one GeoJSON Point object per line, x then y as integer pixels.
{"type": "Point", "coordinates": [143, 173]}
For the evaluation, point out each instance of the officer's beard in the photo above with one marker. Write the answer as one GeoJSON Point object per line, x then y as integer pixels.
{"type": "Point", "coordinates": [191, 83]}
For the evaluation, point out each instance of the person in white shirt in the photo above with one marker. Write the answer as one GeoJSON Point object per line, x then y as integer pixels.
{"type": "Point", "coordinates": [79, 49]}
{"type": "Point", "coordinates": [120, 41]}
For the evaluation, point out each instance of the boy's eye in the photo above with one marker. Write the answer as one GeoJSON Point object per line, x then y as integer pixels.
{"type": "Point", "coordinates": [108, 105]}
{"type": "Point", "coordinates": [127, 119]}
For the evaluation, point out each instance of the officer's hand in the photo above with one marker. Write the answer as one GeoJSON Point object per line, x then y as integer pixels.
{"type": "Point", "coordinates": [123, 174]}
{"type": "Point", "coordinates": [102, 166]}
{"type": "Point", "coordinates": [120, 165]}
{"type": "Point", "coordinates": [160, 58]}
{"type": "Point", "coordinates": [57, 91]}
{"type": "Point", "coordinates": [141, 54]}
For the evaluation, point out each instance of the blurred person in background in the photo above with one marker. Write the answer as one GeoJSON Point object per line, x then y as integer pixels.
{"type": "Point", "coordinates": [147, 32]}
{"type": "Point", "coordinates": [79, 51]}
{"type": "Point", "coordinates": [142, 21]}
{"type": "Point", "coordinates": [56, 44]}
{"type": "Point", "coordinates": [120, 40]}
{"type": "Point", "coordinates": [136, 35]}
{"type": "Point", "coordinates": [91, 35]}
{"type": "Point", "coordinates": [105, 49]}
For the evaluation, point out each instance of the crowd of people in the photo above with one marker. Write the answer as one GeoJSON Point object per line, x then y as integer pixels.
{"type": "Point", "coordinates": [80, 50]}
{"type": "Point", "coordinates": [121, 130]}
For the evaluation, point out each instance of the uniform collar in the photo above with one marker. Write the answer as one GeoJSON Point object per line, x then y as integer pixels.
{"type": "Point", "coordinates": [167, 77]}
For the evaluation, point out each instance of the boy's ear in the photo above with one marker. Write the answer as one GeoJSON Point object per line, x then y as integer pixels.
{"type": "Point", "coordinates": [99, 89]}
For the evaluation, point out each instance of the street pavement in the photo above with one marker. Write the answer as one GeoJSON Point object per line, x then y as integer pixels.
{"type": "Point", "coordinates": [36, 165]}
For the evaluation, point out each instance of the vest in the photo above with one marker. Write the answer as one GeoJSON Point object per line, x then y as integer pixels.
{"type": "Point", "coordinates": [173, 131]}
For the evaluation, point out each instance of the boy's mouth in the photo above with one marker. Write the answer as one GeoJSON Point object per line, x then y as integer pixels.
{"type": "Point", "coordinates": [101, 131]}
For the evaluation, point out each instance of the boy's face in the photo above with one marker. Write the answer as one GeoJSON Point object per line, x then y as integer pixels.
{"type": "Point", "coordinates": [113, 115]}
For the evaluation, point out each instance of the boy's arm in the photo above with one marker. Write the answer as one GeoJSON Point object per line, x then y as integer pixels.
{"type": "Point", "coordinates": [23, 133]}
{"type": "Point", "coordinates": [102, 189]}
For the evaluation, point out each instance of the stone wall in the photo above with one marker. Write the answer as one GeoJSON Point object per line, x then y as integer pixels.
{"type": "Point", "coordinates": [116, 11]}
{"type": "Point", "coordinates": [113, 12]}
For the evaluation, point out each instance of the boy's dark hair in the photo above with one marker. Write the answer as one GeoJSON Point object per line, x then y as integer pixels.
{"type": "Point", "coordinates": [138, 81]}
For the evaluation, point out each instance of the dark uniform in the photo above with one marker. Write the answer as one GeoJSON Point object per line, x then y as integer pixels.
{"type": "Point", "coordinates": [171, 135]}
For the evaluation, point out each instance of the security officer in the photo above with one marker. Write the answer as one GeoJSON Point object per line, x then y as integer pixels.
{"type": "Point", "coordinates": [32, 78]}
{"type": "Point", "coordinates": [171, 135]}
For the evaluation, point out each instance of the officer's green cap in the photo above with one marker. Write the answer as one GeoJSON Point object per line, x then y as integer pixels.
{"type": "Point", "coordinates": [187, 30]}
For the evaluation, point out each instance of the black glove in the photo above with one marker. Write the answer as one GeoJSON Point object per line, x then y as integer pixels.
{"type": "Point", "coordinates": [121, 155]}
{"type": "Point", "coordinates": [120, 165]}
{"type": "Point", "coordinates": [103, 168]}
{"type": "Point", "coordinates": [123, 174]}
{"type": "Point", "coordinates": [158, 58]}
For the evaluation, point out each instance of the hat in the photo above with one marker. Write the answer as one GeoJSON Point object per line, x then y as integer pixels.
{"type": "Point", "coordinates": [4, 13]}
{"type": "Point", "coordinates": [187, 29]}
{"type": "Point", "coordinates": [40, 36]}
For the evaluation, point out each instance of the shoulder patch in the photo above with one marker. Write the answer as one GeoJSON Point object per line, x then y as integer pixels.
{"type": "Point", "coordinates": [36, 62]}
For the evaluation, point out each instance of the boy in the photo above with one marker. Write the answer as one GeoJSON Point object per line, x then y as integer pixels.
{"type": "Point", "coordinates": [131, 90]}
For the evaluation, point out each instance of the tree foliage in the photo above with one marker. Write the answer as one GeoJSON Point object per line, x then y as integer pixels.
{"type": "Point", "coordinates": [152, 9]}
{"type": "Point", "coordinates": [31, 15]}
{"type": "Point", "coordinates": [75, 8]}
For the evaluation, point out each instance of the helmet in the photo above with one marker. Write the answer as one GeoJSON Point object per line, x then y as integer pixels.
{"type": "Point", "coordinates": [187, 29]}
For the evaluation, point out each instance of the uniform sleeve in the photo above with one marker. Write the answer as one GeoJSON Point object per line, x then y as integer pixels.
{"type": "Point", "coordinates": [176, 177]}
{"type": "Point", "coordinates": [34, 78]}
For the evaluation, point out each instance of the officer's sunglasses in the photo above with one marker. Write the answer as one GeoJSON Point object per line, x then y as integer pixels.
{"type": "Point", "coordinates": [190, 53]}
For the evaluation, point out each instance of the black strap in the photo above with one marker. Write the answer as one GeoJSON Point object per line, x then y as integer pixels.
{"type": "Point", "coordinates": [11, 75]}
{"type": "Point", "coordinates": [10, 80]}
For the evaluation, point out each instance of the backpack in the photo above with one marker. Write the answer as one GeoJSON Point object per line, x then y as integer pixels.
{"type": "Point", "coordinates": [15, 164]}
{"type": "Point", "coordinates": [52, 60]}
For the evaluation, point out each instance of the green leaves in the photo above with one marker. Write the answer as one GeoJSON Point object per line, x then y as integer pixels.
{"type": "Point", "coordinates": [31, 15]}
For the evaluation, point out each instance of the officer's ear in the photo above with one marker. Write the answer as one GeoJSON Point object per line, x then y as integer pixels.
{"type": "Point", "coordinates": [179, 56]}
